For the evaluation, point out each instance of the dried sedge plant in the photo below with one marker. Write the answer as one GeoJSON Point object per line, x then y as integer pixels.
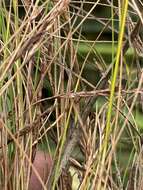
{"type": "Point", "coordinates": [46, 99]}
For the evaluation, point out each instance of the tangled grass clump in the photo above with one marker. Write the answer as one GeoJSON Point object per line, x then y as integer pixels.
{"type": "Point", "coordinates": [74, 89]}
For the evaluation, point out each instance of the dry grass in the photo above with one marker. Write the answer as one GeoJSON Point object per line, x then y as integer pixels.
{"type": "Point", "coordinates": [45, 97]}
